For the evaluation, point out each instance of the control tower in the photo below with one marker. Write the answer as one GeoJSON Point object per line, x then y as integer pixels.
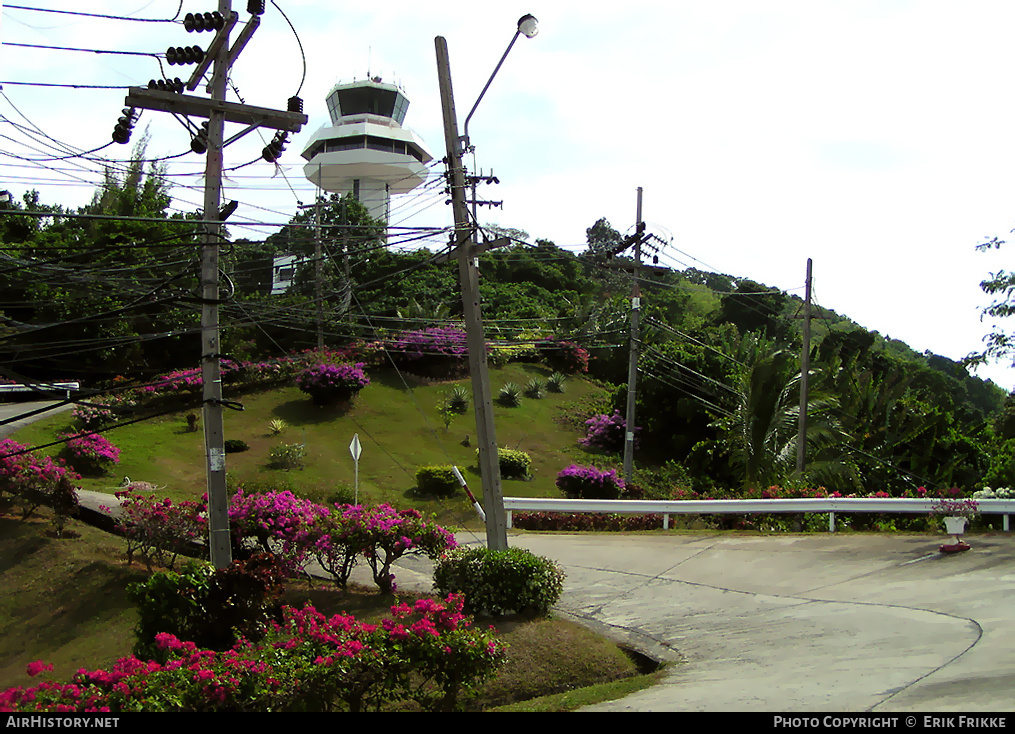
{"type": "Point", "coordinates": [366, 151]}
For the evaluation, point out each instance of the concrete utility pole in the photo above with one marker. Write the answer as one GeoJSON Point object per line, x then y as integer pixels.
{"type": "Point", "coordinates": [632, 369]}
{"type": "Point", "coordinates": [217, 111]}
{"type": "Point", "coordinates": [805, 368]}
{"type": "Point", "coordinates": [465, 247]}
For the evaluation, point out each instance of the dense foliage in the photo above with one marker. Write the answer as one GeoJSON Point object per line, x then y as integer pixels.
{"type": "Point", "coordinates": [718, 388]}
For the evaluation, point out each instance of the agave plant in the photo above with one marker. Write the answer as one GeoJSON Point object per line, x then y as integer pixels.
{"type": "Point", "coordinates": [535, 388]}
{"type": "Point", "coordinates": [510, 395]}
{"type": "Point", "coordinates": [555, 382]}
{"type": "Point", "coordinates": [458, 400]}
{"type": "Point", "coordinates": [276, 426]}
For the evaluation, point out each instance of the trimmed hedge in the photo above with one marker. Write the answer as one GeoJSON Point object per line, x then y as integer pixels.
{"type": "Point", "coordinates": [438, 480]}
{"type": "Point", "coordinates": [513, 464]}
{"type": "Point", "coordinates": [500, 582]}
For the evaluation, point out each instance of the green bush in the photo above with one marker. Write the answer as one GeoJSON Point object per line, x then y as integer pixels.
{"type": "Point", "coordinates": [287, 456]}
{"type": "Point", "coordinates": [500, 582]}
{"type": "Point", "coordinates": [513, 464]}
{"type": "Point", "coordinates": [235, 446]}
{"type": "Point", "coordinates": [206, 606]}
{"type": "Point", "coordinates": [439, 480]}
{"type": "Point", "coordinates": [555, 382]}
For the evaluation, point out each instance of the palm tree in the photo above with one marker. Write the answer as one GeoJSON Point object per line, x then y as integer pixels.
{"type": "Point", "coordinates": [760, 431]}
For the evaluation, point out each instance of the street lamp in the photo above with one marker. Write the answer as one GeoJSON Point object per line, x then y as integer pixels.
{"type": "Point", "coordinates": [464, 243]}
{"type": "Point", "coordinates": [528, 26]}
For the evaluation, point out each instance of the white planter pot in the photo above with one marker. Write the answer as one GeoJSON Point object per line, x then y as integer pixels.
{"type": "Point", "coordinates": [955, 525]}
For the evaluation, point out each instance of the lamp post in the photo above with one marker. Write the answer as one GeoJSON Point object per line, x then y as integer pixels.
{"type": "Point", "coordinates": [464, 242]}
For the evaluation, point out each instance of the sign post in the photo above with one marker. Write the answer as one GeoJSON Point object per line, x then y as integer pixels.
{"type": "Point", "coordinates": [355, 449]}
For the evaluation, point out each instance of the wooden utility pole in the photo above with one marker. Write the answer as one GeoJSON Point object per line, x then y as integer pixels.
{"type": "Point", "coordinates": [805, 368]}
{"type": "Point", "coordinates": [464, 246]}
{"type": "Point", "coordinates": [217, 111]}
{"type": "Point", "coordinates": [632, 368]}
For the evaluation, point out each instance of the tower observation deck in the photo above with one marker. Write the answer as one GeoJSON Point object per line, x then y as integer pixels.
{"type": "Point", "coordinates": [366, 151]}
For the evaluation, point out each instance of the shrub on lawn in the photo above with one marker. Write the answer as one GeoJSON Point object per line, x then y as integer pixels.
{"type": "Point", "coordinates": [91, 454]}
{"type": "Point", "coordinates": [287, 456]}
{"type": "Point", "coordinates": [436, 480]}
{"type": "Point", "coordinates": [500, 581]}
{"type": "Point", "coordinates": [208, 607]}
{"type": "Point", "coordinates": [327, 384]}
{"type": "Point", "coordinates": [513, 464]}
{"type": "Point", "coordinates": [588, 482]}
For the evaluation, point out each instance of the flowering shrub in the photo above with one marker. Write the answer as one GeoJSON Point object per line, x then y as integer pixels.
{"type": "Point", "coordinates": [92, 454]}
{"type": "Point", "coordinates": [500, 582]}
{"type": "Point", "coordinates": [295, 528]}
{"type": "Point", "coordinates": [332, 383]}
{"type": "Point", "coordinates": [31, 482]}
{"type": "Point", "coordinates": [428, 652]}
{"type": "Point", "coordinates": [588, 482]}
{"type": "Point", "coordinates": [1001, 493]}
{"type": "Point", "coordinates": [606, 432]}
{"type": "Point", "coordinates": [281, 517]}
{"type": "Point", "coordinates": [92, 417]}
{"type": "Point", "coordinates": [157, 530]}
{"type": "Point", "coordinates": [968, 508]}
{"type": "Point", "coordinates": [440, 351]}
{"type": "Point", "coordinates": [287, 456]}
{"type": "Point", "coordinates": [589, 522]}
{"type": "Point", "coordinates": [388, 534]}
{"type": "Point", "coordinates": [564, 356]}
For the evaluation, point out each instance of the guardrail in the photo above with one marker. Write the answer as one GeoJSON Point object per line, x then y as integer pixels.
{"type": "Point", "coordinates": [830, 505]}
{"type": "Point", "coordinates": [37, 387]}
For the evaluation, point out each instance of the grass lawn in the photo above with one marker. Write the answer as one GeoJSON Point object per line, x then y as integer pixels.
{"type": "Point", "coordinates": [64, 602]}
{"type": "Point", "coordinates": [399, 429]}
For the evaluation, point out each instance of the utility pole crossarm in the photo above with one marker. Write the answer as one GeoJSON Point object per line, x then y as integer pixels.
{"type": "Point", "coordinates": [191, 106]}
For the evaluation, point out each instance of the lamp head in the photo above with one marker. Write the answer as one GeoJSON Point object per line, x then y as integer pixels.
{"type": "Point", "coordinates": [528, 26]}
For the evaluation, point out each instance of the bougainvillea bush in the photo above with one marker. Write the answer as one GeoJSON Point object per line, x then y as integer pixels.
{"type": "Point", "coordinates": [338, 537]}
{"type": "Point", "coordinates": [439, 352]}
{"type": "Point", "coordinates": [384, 534]}
{"type": "Point", "coordinates": [587, 482]}
{"type": "Point", "coordinates": [278, 522]}
{"type": "Point", "coordinates": [327, 384]}
{"type": "Point", "coordinates": [157, 530]}
{"type": "Point", "coordinates": [28, 482]}
{"type": "Point", "coordinates": [91, 454]}
{"type": "Point", "coordinates": [91, 417]}
{"type": "Point", "coordinates": [606, 432]}
{"type": "Point", "coordinates": [564, 356]}
{"type": "Point", "coordinates": [428, 653]}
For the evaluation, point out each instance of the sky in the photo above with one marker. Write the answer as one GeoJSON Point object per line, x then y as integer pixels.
{"type": "Point", "coordinates": [874, 137]}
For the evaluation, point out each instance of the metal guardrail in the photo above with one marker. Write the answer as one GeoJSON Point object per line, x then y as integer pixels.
{"type": "Point", "coordinates": [64, 387]}
{"type": "Point", "coordinates": [830, 505]}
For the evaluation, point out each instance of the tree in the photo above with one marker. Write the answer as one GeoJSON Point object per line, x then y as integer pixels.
{"type": "Point", "coordinates": [106, 293]}
{"type": "Point", "coordinates": [1000, 344]}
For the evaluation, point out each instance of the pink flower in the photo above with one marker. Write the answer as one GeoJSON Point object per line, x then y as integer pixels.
{"type": "Point", "coordinates": [37, 667]}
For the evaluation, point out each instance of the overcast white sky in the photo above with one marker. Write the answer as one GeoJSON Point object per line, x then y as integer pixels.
{"type": "Point", "coordinates": [874, 137]}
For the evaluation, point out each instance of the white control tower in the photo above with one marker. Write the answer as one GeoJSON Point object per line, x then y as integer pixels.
{"type": "Point", "coordinates": [366, 151]}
